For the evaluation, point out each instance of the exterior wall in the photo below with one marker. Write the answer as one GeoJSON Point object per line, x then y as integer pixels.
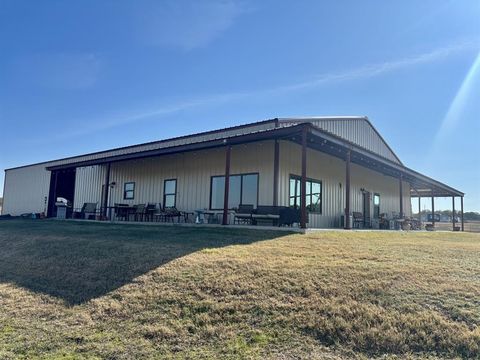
{"type": "Point", "coordinates": [357, 130]}
{"type": "Point", "coordinates": [26, 190]}
{"type": "Point", "coordinates": [193, 171]}
{"type": "Point", "coordinates": [331, 171]}
{"type": "Point", "coordinates": [88, 185]}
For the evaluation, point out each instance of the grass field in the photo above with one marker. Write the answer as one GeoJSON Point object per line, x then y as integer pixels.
{"type": "Point", "coordinates": [73, 290]}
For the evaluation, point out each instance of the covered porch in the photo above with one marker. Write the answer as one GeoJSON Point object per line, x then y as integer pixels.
{"type": "Point", "coordinates": [308, 139]}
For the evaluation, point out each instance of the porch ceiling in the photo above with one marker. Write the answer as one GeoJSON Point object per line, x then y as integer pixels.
{"type": "Point", "coordinates": [422, 185]}
{"type": "Point", "coordinates": [318, 139]}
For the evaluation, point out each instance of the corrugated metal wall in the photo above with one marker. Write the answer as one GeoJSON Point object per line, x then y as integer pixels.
{"type": "Point", "coordinates": [331, 171]}
{"type": "Point", "coordinates": [26, 190]}
{"type": "Point", "coordinates": [357, 130]}
{"type": "Point", "coordinates": [192, 170]}
{"type": "Point", "coordinates": [88, 185]}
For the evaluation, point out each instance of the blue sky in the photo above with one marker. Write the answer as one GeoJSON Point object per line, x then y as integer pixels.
{"type": "Point", "coordinates": [84, 76]}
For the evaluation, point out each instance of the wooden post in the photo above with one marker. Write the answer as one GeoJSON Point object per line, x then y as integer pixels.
{"type": "Point", "coordinates": [461, 213]}
{"type": "Point", "coordinates": [106, 191]}
{"type": "Point", "coordinates": [453, 213]}
{"type": "Point", "coordinates": [227, 185]}
{"type": "Point", "coordinates": [347, 192]}
{"type": "Point", "coordinates": [276, 169]}
{"type": "Point", "coordinates": [433, 210]}
{"type": "Point", "coordinates": [303, 185]}
{"type": "Point", "coordinates": [401, 195]}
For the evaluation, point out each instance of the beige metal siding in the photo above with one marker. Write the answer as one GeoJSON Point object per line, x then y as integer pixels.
{"type": "Point", "coordinates": [356, 130]}
{"type": "Point", "coordinates": [193, 171]}
{"type": "Point", "coordinates": [26, 190]}
{"type": "Point", "coordinates": [331, 171]}
{"type": "Point", "coordinates": [88, 185]}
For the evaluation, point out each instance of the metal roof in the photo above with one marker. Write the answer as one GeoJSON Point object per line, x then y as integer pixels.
{"type": "Point", "coordinates": [357, 129]}
{"type": "Point", "coordinates": [377, 156]}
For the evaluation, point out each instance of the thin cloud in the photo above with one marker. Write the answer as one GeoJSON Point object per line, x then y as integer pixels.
{"type": "Point", "coordinates": [70, 71]}
{"type": "Point", "coordinates": [373, 70]}
{"type": "Point", "coordinates": [186, 24]}
{"type": "Point", "coordinates": [364, 72]}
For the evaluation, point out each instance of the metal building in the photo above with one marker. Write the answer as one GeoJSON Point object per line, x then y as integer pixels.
{"type": "Point", "coordinates": [328, 167]}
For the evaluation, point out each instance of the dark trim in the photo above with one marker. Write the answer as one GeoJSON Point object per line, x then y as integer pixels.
{"type": "Point", "coordinates": [165, 194]}
{"type": "Point", "coordinates": [125, 191]}
{"type": "Point", "coordinates": [228, 152]}
{"type": "Point", "coordinates": [420, 208]}
{"type": "Point", "coordinates": [276, 171]}
{"type": "Point", "coordinates": [241, 187]}
{"type": "Point", "coordinates": [346, 222]}
{"type": "Point", "coordinates": [400, 184]}
{"type": "Point", "coordinates": [310, 180]}
{"type": "Point", "coordinates": [358, 153]}
{"type": "Point", "coordinates": [107, 190]}
{"type": "Point", "coordinates": [303, 187]}
{"type": "Point", "coordinates": [453, 213]}
{"type": "Point", "coordinates": [346, 118]}
{"type": "Point", "coordinates": [433, 210]}
{"type": "Point", "coordinates": [383, 140]}
{"type": "Point", "coordinates": [216, 143]}
{"type": "Point", "coordinates": [209, 132]}
{"type": "Point", "coordinates": [51, 194]}
{"type": "Point", "coordinates": [461, 209]}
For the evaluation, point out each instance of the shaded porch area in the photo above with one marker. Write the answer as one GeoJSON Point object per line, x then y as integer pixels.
{"type": "Point", "coordinates": [354, 166]}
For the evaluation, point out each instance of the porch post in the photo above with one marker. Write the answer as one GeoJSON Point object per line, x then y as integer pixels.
{"type": "Point", "coordinates": [276, 169]}
{"type": "Point", "coordinates": [228, 150]}
{"type": "Point", "coordinates": [419, 208]}
{"type": "Point", "coordinates": [433, 210]}
{"type": "Point", "coordinates": [401, 196]}
{"type": "Point", "coordinates": [303, 186]}
{"type": "Point", "coordinates": [106, 191]}
{"type": "Point", "coordinates": [347, 192]}
{"type": "Point", "coordinates": [453, 213]}
{"type": "Point", "coordinates": [461, 212]}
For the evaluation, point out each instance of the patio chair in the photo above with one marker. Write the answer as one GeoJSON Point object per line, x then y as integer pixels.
{"type": "Point", "coordinates": [171, 213]}
{"type": "Point", "coordinates": [121, 211]}
{"type": "Point", "coordinates": [139, 213]}
{"type": "Point", "coordinates": [243, 215]}
{"type": "Point", "coordinates": [150, 210]}
{"type": "Point", "coordinates": [88, 211]}
{"type": "Point", "coordinates": [159, 214]}
{"type": "Point", "coordinates": [358, 219]}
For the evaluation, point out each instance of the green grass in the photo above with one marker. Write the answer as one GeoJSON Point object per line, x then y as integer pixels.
{"type": "Point", "coordinates": [72, 290]}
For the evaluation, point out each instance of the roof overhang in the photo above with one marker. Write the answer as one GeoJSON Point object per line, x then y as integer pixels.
{"type": "Point", "coordinates": [318, 139]}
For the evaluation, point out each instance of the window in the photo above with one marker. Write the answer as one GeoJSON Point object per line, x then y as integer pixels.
{"type": "Point", "coordinates": [129, 191]}
{"type": "Point", "coordinates": [314, 194]}
{"type": "Point", "coordinates": [170, 193]}
{"type": "Point", "coordinates": [376, 206]}
{"type": "Point", "coordinates": [243, 190]}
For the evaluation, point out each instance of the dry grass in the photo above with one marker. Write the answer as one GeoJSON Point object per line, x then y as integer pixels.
{"type": "Point", "coordinates": [70, 290]}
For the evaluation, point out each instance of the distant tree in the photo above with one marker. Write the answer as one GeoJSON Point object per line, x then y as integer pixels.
{"type": "Point", "coordinates": [472, 216]}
